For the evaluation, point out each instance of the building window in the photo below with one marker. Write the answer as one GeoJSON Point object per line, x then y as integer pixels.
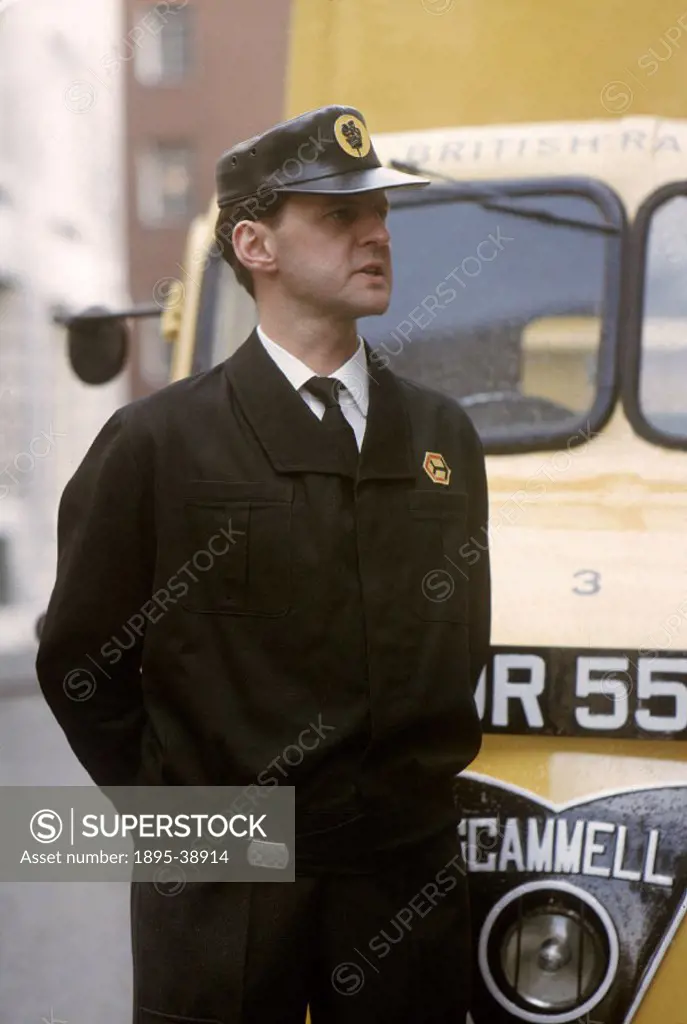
{"type": "Point", "coordinates": [164, 184]}
{"type": "Point", "coordinates": [5, 577]}
{"type": "Point", "coordinates": [162, 32]}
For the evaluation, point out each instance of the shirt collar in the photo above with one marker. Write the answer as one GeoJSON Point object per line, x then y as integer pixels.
{"type": "Point", "coordinates": [353, 373]}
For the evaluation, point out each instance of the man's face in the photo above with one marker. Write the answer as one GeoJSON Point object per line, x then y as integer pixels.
{"type": "Point", "coordinates": [333, 252]}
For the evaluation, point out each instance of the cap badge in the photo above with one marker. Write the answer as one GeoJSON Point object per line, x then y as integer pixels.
{"type": "Point", "coordinates": [436, 468]}
{"type": "Point", "coordinates": [352, 135]}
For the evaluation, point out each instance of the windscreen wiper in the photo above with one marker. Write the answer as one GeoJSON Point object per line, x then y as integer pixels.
{"type": "Point", "coordinates": [491, 199]}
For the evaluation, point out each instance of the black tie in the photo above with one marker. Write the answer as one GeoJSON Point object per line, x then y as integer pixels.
{"type": "Point", "coordinates": [328, 390]}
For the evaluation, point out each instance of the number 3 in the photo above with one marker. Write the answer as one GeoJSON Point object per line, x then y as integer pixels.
{"type": "Point", "coordinates": [593, 581]}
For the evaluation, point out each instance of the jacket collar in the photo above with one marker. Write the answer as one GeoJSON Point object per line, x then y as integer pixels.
{"type": "Point", "coordinates": [291, 434]}
{"type": "Point", "coordinates": [353, 373]}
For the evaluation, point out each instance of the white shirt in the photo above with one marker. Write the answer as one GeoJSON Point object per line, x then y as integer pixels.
{"type": "Point", "coordinates": [354, 402]}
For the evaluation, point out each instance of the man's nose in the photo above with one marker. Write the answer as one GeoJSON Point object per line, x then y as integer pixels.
{"type": "Point", "coordinates": [376, 230]}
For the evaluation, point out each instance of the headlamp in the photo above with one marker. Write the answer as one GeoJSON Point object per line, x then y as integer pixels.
{"type": "Point", "coordinates": [548, 952]}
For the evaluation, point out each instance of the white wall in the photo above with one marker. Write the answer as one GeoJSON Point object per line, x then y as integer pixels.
{"type": "Point", "coordinates": [62, 223]}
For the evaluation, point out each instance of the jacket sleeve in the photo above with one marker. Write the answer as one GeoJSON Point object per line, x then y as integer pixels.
{"type": "Point", "coordinates": [89, 656]}
{"type": "Point", "coordinates": [479, 570]}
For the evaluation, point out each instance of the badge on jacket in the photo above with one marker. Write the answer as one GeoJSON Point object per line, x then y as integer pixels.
{"type": "Point", "coordinates": [436, 467]}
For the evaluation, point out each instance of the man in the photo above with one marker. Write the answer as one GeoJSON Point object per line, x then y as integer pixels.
{"type": "Point", "coordinates": [335, 643]}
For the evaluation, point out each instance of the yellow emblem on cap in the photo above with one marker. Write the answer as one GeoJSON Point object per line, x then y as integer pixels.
{"type": "Point", "coordinates": [352, 135]}
{"type": "Point", "coordinates": [436, 467]}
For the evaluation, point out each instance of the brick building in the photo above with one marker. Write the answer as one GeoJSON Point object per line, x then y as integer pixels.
{"type": "Point", "coordinates": [200, 76]}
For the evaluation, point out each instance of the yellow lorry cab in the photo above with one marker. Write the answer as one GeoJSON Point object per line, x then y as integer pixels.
{"type": "Point", "coordinates": [541, 280]}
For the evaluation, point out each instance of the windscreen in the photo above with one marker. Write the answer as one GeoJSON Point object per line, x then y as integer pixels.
{"type": "Point", "coordinates": [503, 305]}
{"type": "Point", "coordinates": [663, 366]}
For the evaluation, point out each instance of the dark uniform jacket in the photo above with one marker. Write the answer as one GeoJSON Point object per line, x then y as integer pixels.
{"type": "Point", "coordinates": [238, 609]}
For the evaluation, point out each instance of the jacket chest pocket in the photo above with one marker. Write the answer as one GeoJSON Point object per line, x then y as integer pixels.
{"type": "Point", "coordinates": [440, 573]}
{"type": "Point", "coordinates": [241, 538]}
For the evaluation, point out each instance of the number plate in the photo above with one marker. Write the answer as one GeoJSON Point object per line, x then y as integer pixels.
{"type": "Point", "coordinates": [563, 691]}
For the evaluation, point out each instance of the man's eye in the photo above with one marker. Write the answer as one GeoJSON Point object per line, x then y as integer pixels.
{"type": "Point", "coordinates": [342, 214]}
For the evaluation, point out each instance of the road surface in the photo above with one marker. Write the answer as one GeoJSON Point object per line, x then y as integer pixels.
{"type": "Point", "coordinates": [65, 952]}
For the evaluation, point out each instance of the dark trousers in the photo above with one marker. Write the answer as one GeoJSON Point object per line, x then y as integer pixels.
{"type": "Point", "coordinates": [393, 946]}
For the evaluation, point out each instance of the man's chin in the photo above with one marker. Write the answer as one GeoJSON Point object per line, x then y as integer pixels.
{"type": "Point", "coordinates": [376, 305]}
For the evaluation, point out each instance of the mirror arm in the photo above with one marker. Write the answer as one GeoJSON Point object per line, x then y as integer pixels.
{"type": "Point", "coordinates": [74, 320]}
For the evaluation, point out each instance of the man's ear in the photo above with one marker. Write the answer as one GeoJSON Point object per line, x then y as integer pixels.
{"type": "Point", "coordinates": [254, 246]}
